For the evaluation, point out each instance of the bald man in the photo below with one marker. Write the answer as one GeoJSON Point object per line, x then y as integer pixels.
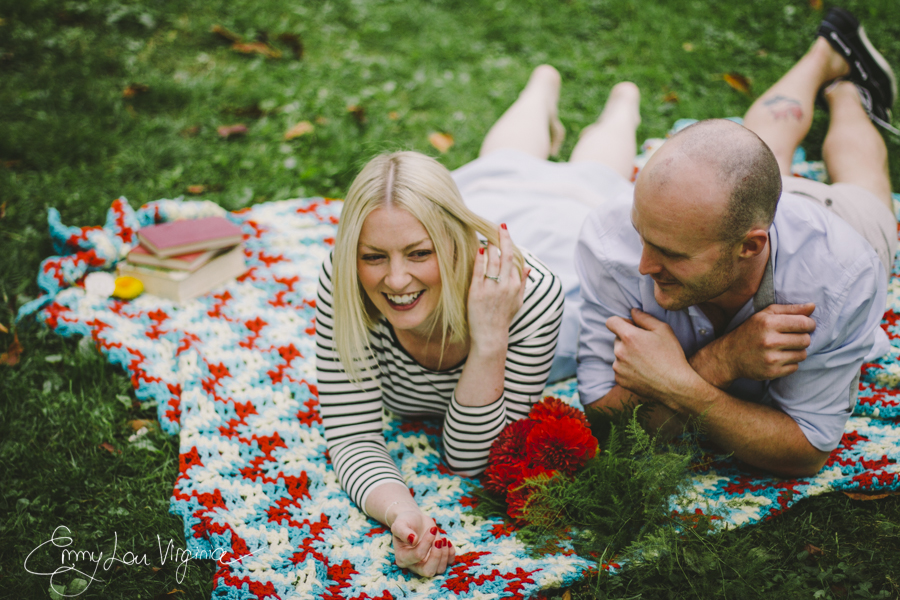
{"type": "Point", "coordinates": [703, 300]}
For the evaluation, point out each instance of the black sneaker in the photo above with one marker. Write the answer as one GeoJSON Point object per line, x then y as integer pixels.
{"type": "Point", "coordinates": [868, 69]}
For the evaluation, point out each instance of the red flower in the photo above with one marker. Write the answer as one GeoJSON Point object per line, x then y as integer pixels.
{"type": "Point", "coordinates": [510, 444]}
{"type": "Point", "coordinates": [554, 408]}
{"type": "Point", "coordinates": [562, 445]}
{"type": "Point", "coordinates": [500, 476]}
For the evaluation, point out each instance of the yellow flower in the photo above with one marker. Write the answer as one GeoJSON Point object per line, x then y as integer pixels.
{"type": "Point", "coordinates": [128, 288]}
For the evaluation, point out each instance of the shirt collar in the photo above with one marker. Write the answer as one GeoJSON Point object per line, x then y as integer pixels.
{"type": "Point", "coordinates": [765, 295]}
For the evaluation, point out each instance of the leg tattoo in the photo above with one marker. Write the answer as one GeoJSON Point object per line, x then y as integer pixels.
{"type": "Point", "coordinates": [782, 107]}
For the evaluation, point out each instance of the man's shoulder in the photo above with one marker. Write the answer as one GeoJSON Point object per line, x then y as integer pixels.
{"type": "Point", "coordinates": [608, 235]}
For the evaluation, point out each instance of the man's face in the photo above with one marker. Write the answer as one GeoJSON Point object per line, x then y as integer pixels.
{"type": "Point", "coordinates": [682, 249]}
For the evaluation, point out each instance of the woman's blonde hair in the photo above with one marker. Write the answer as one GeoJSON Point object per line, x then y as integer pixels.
{"type": "Point", "coordinates": [423, 187]}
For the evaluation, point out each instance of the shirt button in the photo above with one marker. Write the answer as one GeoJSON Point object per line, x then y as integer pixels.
{"type": "Point", "coordinates": [702, 332]}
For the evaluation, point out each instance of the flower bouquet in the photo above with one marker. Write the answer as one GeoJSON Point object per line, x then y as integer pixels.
{"type": "Point", "coordinates": [547, 472]}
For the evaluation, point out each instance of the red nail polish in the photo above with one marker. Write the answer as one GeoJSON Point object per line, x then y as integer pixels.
{"type": "Point", "coordinates": [433, 530]}
{"type": "Point", "coordinates": [449, 543]}
{"type": "Point", "coordinates": [437, 543]}
{"type": "Point", "coordinates": [411, 538]}
{"type": "Point", "coordinates": [503, 225]}
{"type": "Point", "coordinates": [481, 250]}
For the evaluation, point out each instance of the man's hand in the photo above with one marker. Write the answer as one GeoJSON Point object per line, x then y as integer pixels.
{"type": "Point", "coordinates": [649, 359]}
{"type": "Point", "coordinates": [770, 344]}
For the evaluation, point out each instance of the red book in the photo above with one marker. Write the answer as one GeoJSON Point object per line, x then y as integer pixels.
{"type": "Point", "coordinates": [183, 262]}
{"type": "Point", "coordinates": [191, 235]}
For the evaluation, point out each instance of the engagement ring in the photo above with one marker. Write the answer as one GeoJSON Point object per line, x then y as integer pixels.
{"type": "Point", "coordinates": [494, 277]}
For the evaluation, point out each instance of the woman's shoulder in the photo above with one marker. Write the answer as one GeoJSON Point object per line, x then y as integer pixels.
{"type": "Point", "coordinates": [541, 278]}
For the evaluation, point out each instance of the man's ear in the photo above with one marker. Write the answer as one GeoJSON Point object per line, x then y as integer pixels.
{"type": "Point", "coordinates": [754, 243]}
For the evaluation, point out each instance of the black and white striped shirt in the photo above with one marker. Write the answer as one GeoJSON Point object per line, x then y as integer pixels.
{"type": "Point", "coordinates": [352, 415]}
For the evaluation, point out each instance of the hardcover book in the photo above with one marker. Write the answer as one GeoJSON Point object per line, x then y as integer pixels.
{"type": "Point", "coordinates": [183, 262]}
{"type": "Point", "coordinates": [181, 285]}
{"type": "Point", "coordinates": [191, 235]}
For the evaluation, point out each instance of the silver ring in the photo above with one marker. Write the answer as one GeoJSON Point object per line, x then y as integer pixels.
{"type": "Point", "coordinates": [494, 277]}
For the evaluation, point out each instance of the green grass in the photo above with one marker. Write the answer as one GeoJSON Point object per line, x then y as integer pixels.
{"type": "Point", "coordinates": [69, 139]}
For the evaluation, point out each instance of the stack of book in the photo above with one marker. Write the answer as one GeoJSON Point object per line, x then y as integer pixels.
{"type": "Point", "coordinates": [185, 259]}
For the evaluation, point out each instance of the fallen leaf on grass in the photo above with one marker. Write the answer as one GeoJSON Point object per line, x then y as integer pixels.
{"type": "Point", "coordinates": [134, 89]}
{"type": "Point", "coordinates": [12, 354]}
{"type": "Point", "coordinates": [137, 424]}
{"type": "Point", "coordinates": [301, 128]}
{"type": "Point", "coordinates": [196, 190]}
{"type": "Point", "coordinates": [167, 595]}
{"type": "Point", "coordinates": [229, 131]}
{"type": "Point", "coordinates": [737, 81]}
{"type": "Point", "coordinates": [815, 4]}
{"type": "Point", "coordinates": [358, 112]}
{"type": "Point", "coordinates": [567, 595]}
{"type": "Point", "coordinates": [292, 41]}
{"type": "Point", "coordinates": [441, 141]}
{"type": "Point", "coordinates": [109, 448]}
{"type": "Point", "coordinates": [191, 131]}
{"type": "Point", "coordinates": [687, 47]}
{"type": "Point", "coordinates": [257, 48]}
{"type": "Point", "coordinates": [393, 115]}
{"type": "Point", "coordinates": [225, 34]}
{"type": "Point", "coordinates": [814, 550]}
{"type": "Point", "coordinates": [859, 496]}
{"type": "Point", "coordinates": [670, 98]}
{"type": "Point", "coordinates": [3, 210]}
{"type": "Point", "coordinates": [3, 328]}
{"type": "Point", "coordinates": [320, 120]}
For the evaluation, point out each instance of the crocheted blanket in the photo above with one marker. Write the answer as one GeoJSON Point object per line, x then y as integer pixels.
{"type": "Point", "coordinates": [232, 374]}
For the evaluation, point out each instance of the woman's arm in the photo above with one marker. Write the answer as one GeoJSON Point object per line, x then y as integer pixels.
{"type": "Point", "coordinates": [351, 416]}
{"type": "Point", "coordinates": [513, 337]}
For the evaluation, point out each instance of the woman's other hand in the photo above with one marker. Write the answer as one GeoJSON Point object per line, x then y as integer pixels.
{"type": "Point", "coordinates": [495, 295]}
{"type": "Point", "coordinates": [418, 544]}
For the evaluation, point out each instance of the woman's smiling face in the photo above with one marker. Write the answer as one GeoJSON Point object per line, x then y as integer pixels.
{"type": "Point", "coordinates": [398, 268]}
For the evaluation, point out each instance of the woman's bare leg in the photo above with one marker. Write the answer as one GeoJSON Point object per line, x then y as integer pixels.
{"type": "Point", "coordinates": [526, 125]}
{"type": "Point", "coordinates": [612, 139]}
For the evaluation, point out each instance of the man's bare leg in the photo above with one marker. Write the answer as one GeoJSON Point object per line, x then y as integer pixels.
{"type": "Point", "coordinates": [526, 125]}
{"type": "Point", "coordinates": [782, 116]}
{"type": "Point", "coordinates": [854, 150]}
{"type": "Point", "coordinates": [612, 140]}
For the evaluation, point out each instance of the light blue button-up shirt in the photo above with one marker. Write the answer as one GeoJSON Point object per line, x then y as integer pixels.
{"type": "Point", "coordinates": [815, 257]}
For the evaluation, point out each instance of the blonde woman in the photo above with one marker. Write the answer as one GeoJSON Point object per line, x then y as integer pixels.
{"type": "Point", "coordinates": [427, 308]}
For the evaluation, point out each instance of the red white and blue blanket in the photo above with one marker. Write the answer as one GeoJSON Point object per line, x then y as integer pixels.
{"type": "Point", "coordinates": [232, 373]}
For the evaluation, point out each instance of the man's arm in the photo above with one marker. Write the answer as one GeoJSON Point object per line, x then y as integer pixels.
{"type": "Point", "coordinates": [650, 366]}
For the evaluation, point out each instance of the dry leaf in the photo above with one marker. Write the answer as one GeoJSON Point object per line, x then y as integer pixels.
{"type": "Point", "coordinates": [257, 48]}
{"type": "Point", "coordinates": [293, 42]}
{"type": "Point", "coordinates": [859, 496]}
{"type": "Point", "coordinates": [229, 131]}
{"type": "Point", "coordinates": [109, 448]}
{"type": "Point", "coordinates": [762, 53]}
{"type": "Point", "coordinates": [168, 595]}
{"type": "Point", "coordinates": [225, 34]}
{"type": "Point", "coordinates": [196, 190]}
{"type": "Point", "coordinates": [301, 128]}
{"type": "Point", "coordinates": [191, 131]}
{"type": "Point", "coordinates": [441, 141]}
{"type": "Point", "coordinates": [137, 424]}
{"type": "Point", "coordinates": [12, 354]}
{"type": "Point", "coordinates": [813, 550]}
{"type": "Point", "coordinates": [358, 112]}
{"type": "Point", "coordinates": [3, 210]}
{"type": "Point", "coordinates": [670, 97]}
{"type": "Point", "coordinates": [737, 81]}
{"type": "Point", "coordinates": [321, 121]}
{"type": "Point", "coordinates": [687, 47]}
{"type": "Point", "coordinates": [3, 328]}
{"type": "Point", "coordinates": [134, 89]}
{"type": "Point", "coordinates": [815, 4]}
{"type": "Point", "coordinates": [567, 595]}
{"type": "Point", "coordinates": [393, 115]}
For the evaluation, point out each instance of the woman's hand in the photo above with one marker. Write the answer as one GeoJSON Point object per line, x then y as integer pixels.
{"type": "Point", "coordinates": [495, 295]}
{"type": "Point", "coordinates": [419, 545]}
